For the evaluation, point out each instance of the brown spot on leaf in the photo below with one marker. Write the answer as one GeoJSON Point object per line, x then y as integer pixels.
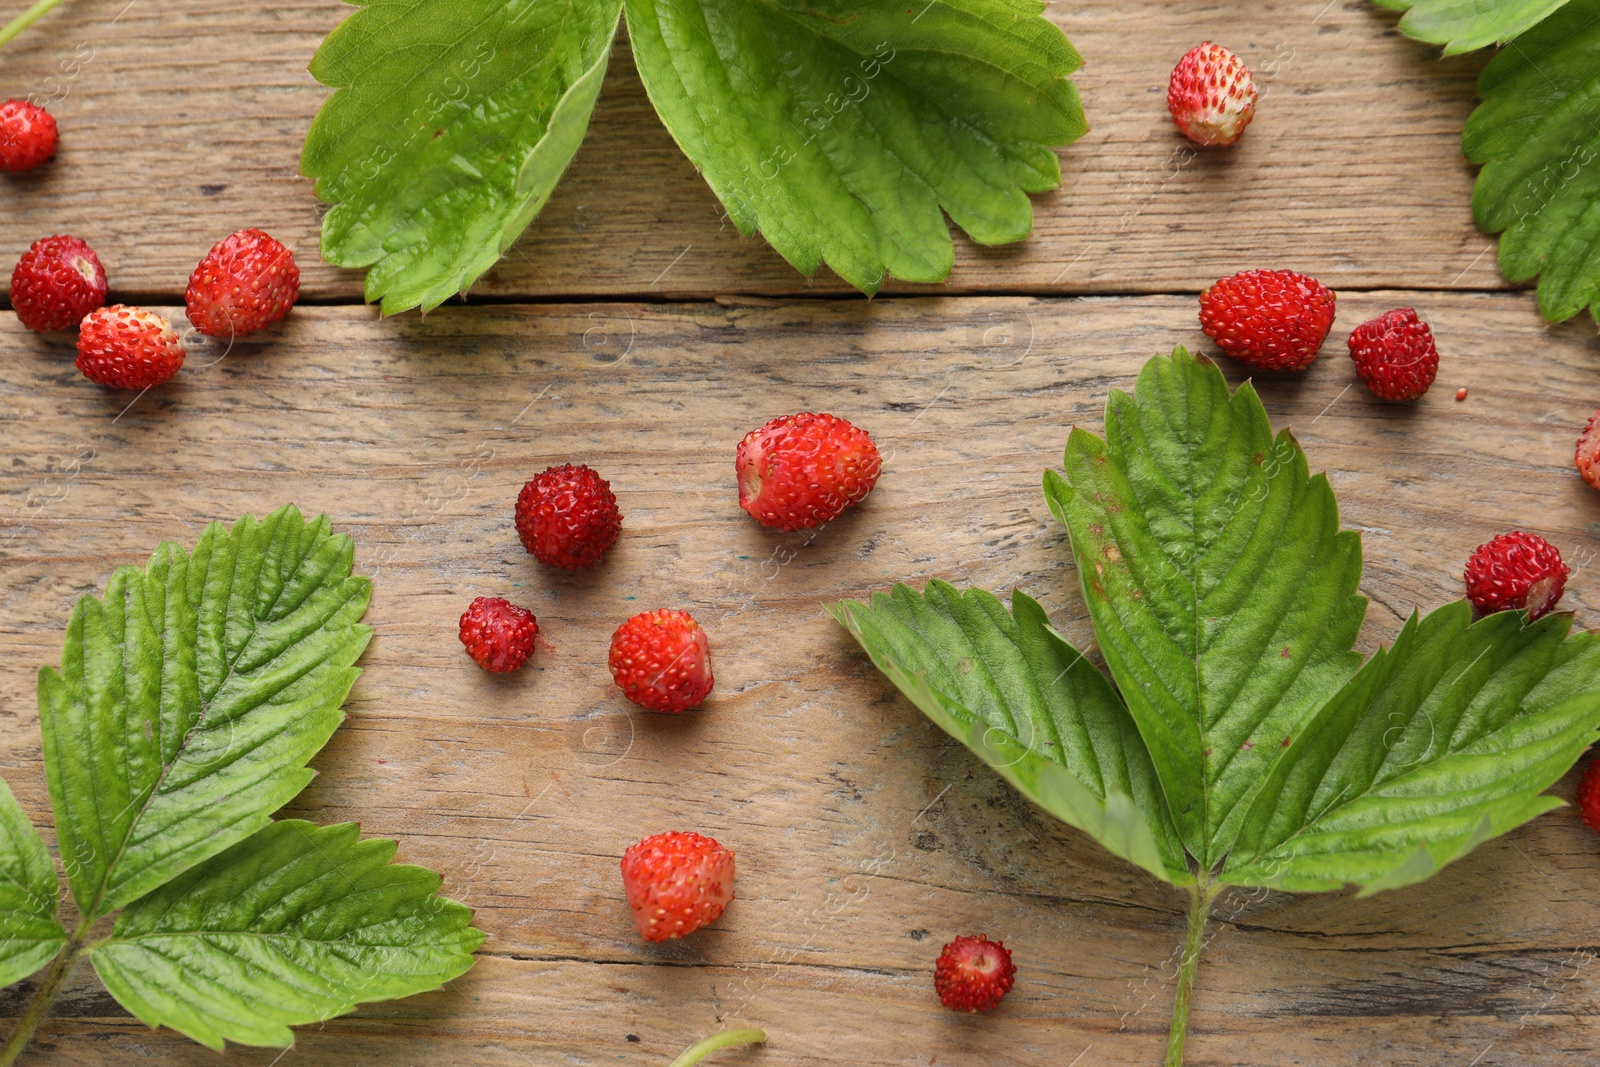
{"type": "Point", "coordinates": [1286, 741]}
{"type": "Point", "coordinates": [1247, 746]}
{"type": "Point", "coordinates": [1257, 459]}
{"type": "Point", "coordinates": [1096, 529]}
{"type": "Point", "coordinates": [1113, 553]}
{"type": "Point", "coordinates": [1284, 653]}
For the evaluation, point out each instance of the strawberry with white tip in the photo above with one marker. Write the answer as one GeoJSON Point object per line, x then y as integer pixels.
{"type": "Point", "coordinates": [1211, 96]}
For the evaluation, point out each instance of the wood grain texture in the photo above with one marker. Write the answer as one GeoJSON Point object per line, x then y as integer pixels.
{"type": "Point", "coordinates": [865, 837]}
{"type": "Point", "coordinates": [182, 122]}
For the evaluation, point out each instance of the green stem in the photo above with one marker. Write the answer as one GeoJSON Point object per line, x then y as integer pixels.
{"type": "Point", "coordinates": [726, 1039]}
{"type": "Point", "coordinates": [43, 997]}
{"type": "Point", "coordinates": [1201, 897]}
{"type": "Point", "coordinates": [20, 23]}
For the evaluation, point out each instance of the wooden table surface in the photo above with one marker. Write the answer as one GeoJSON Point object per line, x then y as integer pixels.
{"type": "Point", "coordinates": [633, 329]}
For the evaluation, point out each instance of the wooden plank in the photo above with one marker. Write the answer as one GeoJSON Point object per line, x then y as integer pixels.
{"type": "Point", "coordinates": [1352, 170]}
{"type": "Point", "coordinates": [865, 837]}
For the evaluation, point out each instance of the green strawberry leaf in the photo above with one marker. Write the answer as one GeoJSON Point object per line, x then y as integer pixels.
{"type": "Point", "coordinates": [1017, 694]}
{"type": "Point", "coordinates": [29, 933]}
{"type": "Point", "coordinates": [451, 123]}
{"type": "Point", "coordinates": [1439, 743]}
{"type": "Point", "coordinates": [1237, 725]}
{"type": "Point", "coordinates": [1222, 591]}
{"type": "Point", "coordinates": [1537, 134]}
{"type": "Point", "coordinates": [841, 130]}
{"type": "Point", "coordinates": [190, 698]}
{"type": "Point", "coordinates": [295, 924]}
{"type": "Point", "coordinates": [1464, 25]}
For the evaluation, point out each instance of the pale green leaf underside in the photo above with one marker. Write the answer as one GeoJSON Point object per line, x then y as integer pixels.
{"type": "Point", "coordinates": [451, 123]}
{"type": "Point", "coordinates": [296, 924]}
{"type": "Point", "coordinates": [1440, 742]}
{"type": "Point", "coordinates": [1464, 25]}
{"type": "Point", "coordinates": [1537, 134]}
{"type": "Point", "coordinates": [29, 933]}
{"type": "Point", "coordinates": [1024, 700]}
{"type": "Point", "coordinates": [1222, 591]}
{"type": "Point", "coordinates": [840, 130]}
{"type": "Point", "coordinates": [190, 698]}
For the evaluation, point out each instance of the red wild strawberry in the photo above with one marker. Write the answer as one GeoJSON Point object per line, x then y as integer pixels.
{"type": "Point", "coordinates": [57, 282]}
{"type": "Point", "coordinates": [1516, 570]}
{"type": "Point", "coordinates": [247, 281]}
{"type": "Point", "coordinates": [567, 517]}
{"type": "Point", "coordinates": [127, 348]}
{"type": "Point", "coordinates": [676, 883]}
{"type": "Point", "coordinates": [973, 974]}
{"type": "Point", "coordinates": [803, 470]}
{"type": "Point", "coordinates": [498, 634]}
{"type": "Point", "coordinates": [662, 661]}
{"type": "Point", "coordinates": [1272, 319]}
{"type": "Point", "coordinates": [1589, 795]}
{"type": "Point", "coordinates": [1211, 95]}
{"type": "Point", "coordinates": [28, 136]}
{"type": "Point", "coordinates": [1588, 455]}
{"type": "Point", "coordinates": [1395, 355]}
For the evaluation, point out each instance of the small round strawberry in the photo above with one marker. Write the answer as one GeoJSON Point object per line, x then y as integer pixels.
{"type": "Point", "coordinates": [803, 470]}
{"type": "Point", "coordinates": [676, 883]}
{"type": "Point", "coordinates": [567, 517]}
{"type": "Point", "coordinates": [1588, 455]}
{"type": "Point", "coordinates": [498, 634]}
{"type": "Point", "coordinates": [1211, 95]}
{"type": "Point", "coordinates": [1589, 795]}
{"type": "Point", "coordinates": [1516, 570]}
{"type": "Point", "coordinates": [127, 348]}
{"type": "Point", "coordinates": [1272, 319]}
{"type": "Point", "coordinates": [973, 974]}
{"type": "Point", "coordinates": [248, 280]}
{"type": "Point", "coordinates": [28, 136]}
{"type": "Point", "coordinates": [1395, 355]}
{"type": "Point", "coordinates": [662, 661]}
{"type": "Point", "coordinates": [56, 283]}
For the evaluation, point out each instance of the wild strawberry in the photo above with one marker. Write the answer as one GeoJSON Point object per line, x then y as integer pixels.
{"type": "Point", "coordinates": [803, 470]}
{"type": "Point", "coordinates": [247, 281]}
{"type": "Point", "coordinates": [1272, 319]}
{"type": "Point", "coordinates": [567, 517]}
{"type": "Point", "coordinates": [56, 283]}
{"type": "Point", "coordinates": [127, 348]}
{"type": "Point", "coordinates": [1516, 570]}
{"type": "Point", "coordinates": [1589, 795]}
{"type": "Point", "coordinates": [1395, 355]}
{"type": "Point", "coordinates": [498, 634]}
{"type": "Point", "coordinates": [676, 883]}
{"type": "Point", "coordinates": [662, 661]}
{"type": "Point", "coordinates": [973, 974]}
{"type": "Point", "coordinates": [1211, 95]}
{"type": "Point", "coordinates": [28, 136]}
{"type": "Point", "coordinates": [1588, 455]}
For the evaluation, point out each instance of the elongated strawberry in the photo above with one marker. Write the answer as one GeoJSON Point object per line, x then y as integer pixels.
{"type": "Point", "coordinates": [1272, 319]}
{"type": "Point", "coordinates": [1211, 95]}
{"type": "Point", "coordinates": [803, 470]}
{"type": "Point", "coordinates": [127, 348]}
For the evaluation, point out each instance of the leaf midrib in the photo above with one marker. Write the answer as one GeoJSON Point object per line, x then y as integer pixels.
{"type": "Point", "coordinates": [256, 618]}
